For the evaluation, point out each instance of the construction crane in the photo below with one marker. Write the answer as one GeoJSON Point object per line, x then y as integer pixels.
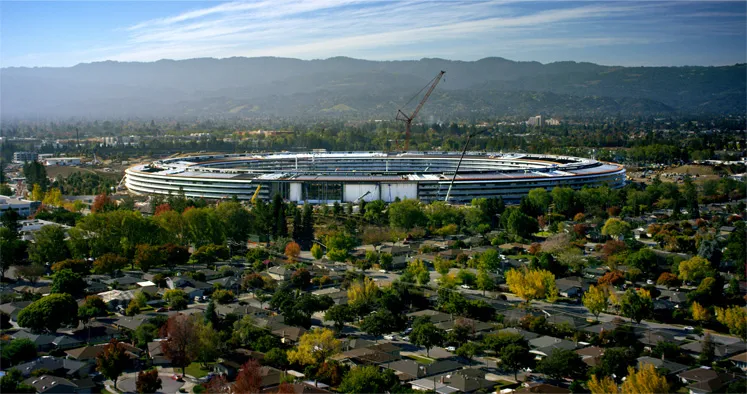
{"type": "Point", "coordinates": [256, 194]}
{"type": "Point", "coordinates": [408, 118]}
{"type": "Point", "coordinates": [459, 163]}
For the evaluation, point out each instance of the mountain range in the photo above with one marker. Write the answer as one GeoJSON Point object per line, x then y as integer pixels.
{"type": "Point", "coordinates": [343, 87]}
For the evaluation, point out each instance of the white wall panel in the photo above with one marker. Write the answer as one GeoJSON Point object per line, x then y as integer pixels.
{"type": "Point", "coordinates": [390, 191]}
{"type": "Point", "coordinates": [353, 191]}
{"type": "Point", "coordinates": [295, 192]}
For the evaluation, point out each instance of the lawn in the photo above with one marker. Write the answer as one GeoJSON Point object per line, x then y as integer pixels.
{"type": "Point", "coordinates": [195, 370]}
{"type": "Point", "coordinates": [421, 359]}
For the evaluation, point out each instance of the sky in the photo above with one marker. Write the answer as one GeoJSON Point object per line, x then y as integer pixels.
{"type": "Point", "coordinates": [625, 33]}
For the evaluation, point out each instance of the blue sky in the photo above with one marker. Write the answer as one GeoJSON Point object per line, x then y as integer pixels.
{"type": "Point", "coordinates": [59, 33]}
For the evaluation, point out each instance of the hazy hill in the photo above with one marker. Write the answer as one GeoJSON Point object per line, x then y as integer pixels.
{"type": "Point", "coordinates": [364, 89]}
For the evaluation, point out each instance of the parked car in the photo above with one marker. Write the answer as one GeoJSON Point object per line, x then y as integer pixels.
{"type": "Point", "coordinates": [451, 348]}
{"type": "Point", "coordinates": [465, 287]}
{"type": "Point", "coordinates": [389, 337]}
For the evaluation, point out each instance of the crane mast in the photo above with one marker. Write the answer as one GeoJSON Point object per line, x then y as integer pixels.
{"type": "Point", "coordinates": [408, 119]}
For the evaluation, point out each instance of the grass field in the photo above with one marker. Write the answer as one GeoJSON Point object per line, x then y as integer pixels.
{"type": "Point", "coordinates": [421, 359]}
{"type": "Point", "coordinates": [195, 370]}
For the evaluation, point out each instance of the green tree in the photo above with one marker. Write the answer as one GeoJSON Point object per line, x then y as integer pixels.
{"type": "Point", "coordinates": [12, 382]}
{"type": "Point", "coordinates": [67, 281]}
{"type": "Point", "coordinates": [369, 379]}
{"type": "Point", "coordinates": [615, 227]}
{"type": "Point", "coordinates": [339, 314]}
{"type": "Point", "coordinates": [176, 299]}
{"type": "Point", "coordinates": [379, 323]}
{"type": "Point", "coordinates": [636, 306]}
{"type": "Point", "coordinates": [18, 351]}
{"type": "Point", "coordinates": [49, 313]}
{"type": "Point", "coordinates": [518, 223]}
{"type": "Point", "coordinates": [469, 350]}
{"type": "Point", "coordinates": [562, 363]}
{"type": "Point", "coordinates": [317, 251]}
{"type": "Point", "coordinates": [407, 214]}
{"type": "Point", "coordinates": [49, 245]}
{"type": "Point", "coordinates": [695, 269]}
{"type": "Point", "coordinates": [207, 344]}
{"type": "Point", "coordinates": [515, 357]}
{"type": "Point", "coordinates": [484, 281]}
{"type": "Point", "coordinates": [540, 199]}
{"type": "Point", "coordinates": [427, 335]}
{"type": "Point", "coordinates": [490, 260]}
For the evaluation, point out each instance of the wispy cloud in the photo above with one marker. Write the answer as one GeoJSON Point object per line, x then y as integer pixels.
{"type": "Point", "coordinates": [407, 29]}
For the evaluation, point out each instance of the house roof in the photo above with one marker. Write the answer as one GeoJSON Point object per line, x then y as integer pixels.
{"type": "Point", "coordinates": [46, 383]}
{"type": "Point", "coordinates": [719, 350]}
{"type": "Point", "coordinates": [417, 370]}
{"type": "Point", "coordinates": [131, 322]}
{"type": "Point", "coordinates": [712, 385]}
{"type": "Point", "coordinates": [528, 335]}
{"type": "Point", "coordinates": [300, 388]}
{"type": "Point", "coordinates": [547, 341]}
{"type": "Point", "coordinates": [670, 366]}
{"type": "Point", "coordinates": [698, 374]}
{"type": "Point", "coordinates": [91, 352]}
{"type": "Point", "coordinates": [741, 357]}
{"type": "Point", "coordinates": [51, 363]}
{"type": "Point", "coordinates": [38, 339]}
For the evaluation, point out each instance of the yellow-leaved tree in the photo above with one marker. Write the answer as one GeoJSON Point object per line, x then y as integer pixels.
{"type": "Point", "coordinates": [532, 284]}
{"type": "Point", "coordinates": [700, 313]}
{"type": "Point", "coordinates": [595, 299]}
{"type": "Point", "coordinates": [37, 194]}
{"type": "Point", "coordinates": [735, 318]}
{"type": "Point", "coordinates": [314, 347]}
{"type": "Point", "coordinates": [362, 291]}
{"type": "Point", "coordinates": [645, 380]}
{"type": "Point", "coordinates": [604, 386]}
{"type": "Point", "coordinates": [53, 197]}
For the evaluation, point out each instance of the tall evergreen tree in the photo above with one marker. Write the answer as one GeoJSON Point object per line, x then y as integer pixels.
{"type": "Point", "coordinates": [307, 225]}
{"type": "Point", "coordinates": [297, 226]}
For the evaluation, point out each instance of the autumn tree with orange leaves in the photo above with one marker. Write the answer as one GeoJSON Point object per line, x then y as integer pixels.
{"type": "Point", "coordinates": [112, 361]}
{"type": "Point", "coordinates": [181, 337]}
{"type": "Point", "coordinates": [249, 380]}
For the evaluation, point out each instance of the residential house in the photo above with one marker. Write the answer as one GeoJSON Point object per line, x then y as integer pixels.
{"type": "Point", "coordinates": [408, 370]}
{"type": "Point", "coordinates": [114, 298]}
{"type": "Point", "coordinates": [47, 384]}
{"type": "Point", "coordinates": [155, 352]}
{"type": "Point", "coordinates": [64, 342]}
{"type": "Point", "coordinates": [435, 316]}
{"type": "Point", "coordinates": [193, 287]}
{"type": "Point", "coordinates": [12, 308]}
{"type": "Point", "coordinates": [661, 364]}
{"type": "Point", "coordinates": [720, 350]}
{"type": "Point", "coordinates": [88, 354]}
{"type": "Point", "coordinates": [571, 286]}
{"type": "Point", "coordinates": [740, 360]}
{"type": "Point", "coordinates": [59, 367]}
{"type": "Point", "coordinates": [43, 342]}
{"type": "Point", "coordinates": [591, 355]}
{"type": "Point", "coordinates": [229, 369]}
{"type": "Point", "coordinates": [544, 345]}
{"type": "Point", "coordinates": [705, 380]}
{"type": "Point", "coordinates": [280, 272]}
{"type": "Point", "coordinates": [300, 388]}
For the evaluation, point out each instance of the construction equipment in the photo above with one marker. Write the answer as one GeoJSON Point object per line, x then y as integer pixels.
{"type": "Point", "coordinates": [408, 119]}
{"type": "Point", "coordinates": [256, 193]}
{"type": "Point", "coordinates": [459, 164]}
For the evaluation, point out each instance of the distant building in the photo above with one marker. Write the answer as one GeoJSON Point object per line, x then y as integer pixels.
{"type": "Point", "coordinates": [23, 157]}
{"type": "Point", "coordinates": [23, 207]}
{"type": "Point", "coordinates": [62, 161]}
{"type": "Point", "coordinates": [535, 121]}
{"type": "Point", "coordinates": [552, 122]}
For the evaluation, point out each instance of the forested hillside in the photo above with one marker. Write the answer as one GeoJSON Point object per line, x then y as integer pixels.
{"type": "Point", "coordinates": [361, 89]}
